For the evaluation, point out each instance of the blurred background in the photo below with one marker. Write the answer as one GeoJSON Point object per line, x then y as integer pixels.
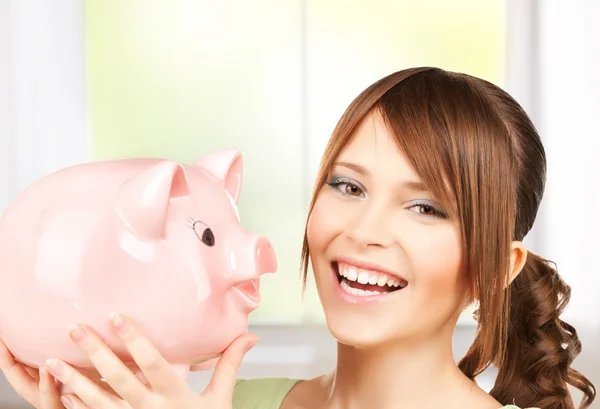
{"type": "Point", "coordinates": [85, 80]}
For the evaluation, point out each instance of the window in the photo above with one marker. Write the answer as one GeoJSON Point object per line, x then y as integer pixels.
{"type": "Point", "coordinates": [179, 79]}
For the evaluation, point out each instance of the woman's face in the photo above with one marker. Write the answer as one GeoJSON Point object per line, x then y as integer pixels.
{"type": "Point", "coordinates": [388, 263]}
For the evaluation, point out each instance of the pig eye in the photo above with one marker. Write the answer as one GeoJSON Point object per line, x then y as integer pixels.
{"type": "Point", "coordinates": [203, 232]}
{"type": "Point", "coordinates": [208, 238]}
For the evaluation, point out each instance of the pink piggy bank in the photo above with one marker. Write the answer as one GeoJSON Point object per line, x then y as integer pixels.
{"type": "Point", "coordinates": [158, 241]}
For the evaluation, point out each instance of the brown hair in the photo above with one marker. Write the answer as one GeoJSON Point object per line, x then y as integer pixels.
{"type": "Point", "coordinates": [493, 171]}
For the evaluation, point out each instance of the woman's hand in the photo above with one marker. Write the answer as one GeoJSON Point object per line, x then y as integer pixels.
{"type": "Point", "coordinates": [36, 387]}
{"type": "Point", "coordinates": [166, 388]}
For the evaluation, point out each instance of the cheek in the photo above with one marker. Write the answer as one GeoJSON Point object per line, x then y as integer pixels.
{"type": "Point", "coordinates": [437, 263]}
{"type": "Point", "coordinates": [324, 225]}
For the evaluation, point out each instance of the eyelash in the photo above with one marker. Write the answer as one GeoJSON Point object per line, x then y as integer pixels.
{"type": "Point", "coordinates": [191, 222]}
{"type": "Point", "coordinates": [439, 214]}
{"type": "Point", "coordinates": [336, 182]}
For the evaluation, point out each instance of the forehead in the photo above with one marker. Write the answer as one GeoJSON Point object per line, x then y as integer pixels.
{"type": "Point", "coordinates": [374, 146]}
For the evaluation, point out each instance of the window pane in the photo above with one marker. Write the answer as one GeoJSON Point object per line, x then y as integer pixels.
{"type": "Point", "coordinates": [178, 79]}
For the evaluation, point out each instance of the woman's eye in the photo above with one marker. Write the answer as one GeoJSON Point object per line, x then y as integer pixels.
{"type": "Point", "coordinates": [346, 187]}
{"type": "Point", "coordinates": [429, 210]}
{"type": "Point", "coordinates": [351, 189]}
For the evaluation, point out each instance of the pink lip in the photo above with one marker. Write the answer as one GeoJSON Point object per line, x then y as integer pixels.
{"type": "Point", "coordinates": [357, 299]}
{"type": "Point", "coordinates": [368, 266]}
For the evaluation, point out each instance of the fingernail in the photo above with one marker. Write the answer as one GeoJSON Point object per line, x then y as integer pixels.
{"type": "Point", "coordinates": [66, 401]}
{"type": "Point", "coordinates": [118, 321]}
{"type": "Point", "coordinates": [55, 367]}
{"type": "Point", "coordinates": [77, 333]}
{"type": "Point", "coordinates": [250, 344]}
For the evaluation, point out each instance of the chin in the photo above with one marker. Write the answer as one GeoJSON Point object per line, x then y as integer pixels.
{"type": "Point", "coordinates": [359, 331]}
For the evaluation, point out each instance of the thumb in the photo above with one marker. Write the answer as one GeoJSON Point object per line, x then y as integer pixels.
{"type": "Point", "coordinates": [225, 373]}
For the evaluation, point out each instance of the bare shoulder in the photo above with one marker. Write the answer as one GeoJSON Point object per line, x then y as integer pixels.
{"type": "Point", "coordinates": [472, 396]}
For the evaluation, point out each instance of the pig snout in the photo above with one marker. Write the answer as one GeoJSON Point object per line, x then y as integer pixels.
{"type": "Point", "coordinates": [252, 256]}
{"type": "Point", "coordinates": [251, 259]}
{"type": "Point", "coordinates": [265, 259]}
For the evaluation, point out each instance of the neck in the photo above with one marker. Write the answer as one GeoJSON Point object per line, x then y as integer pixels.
{"type": "Point", "coordinates": [409, 374]}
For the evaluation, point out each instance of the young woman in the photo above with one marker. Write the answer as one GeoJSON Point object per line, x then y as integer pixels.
{"type": "Point", "coordinates": [428, 186]}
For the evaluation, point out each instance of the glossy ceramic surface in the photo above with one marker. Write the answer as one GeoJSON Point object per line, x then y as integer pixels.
{"type": "Point", "coordinates": [156, 240]}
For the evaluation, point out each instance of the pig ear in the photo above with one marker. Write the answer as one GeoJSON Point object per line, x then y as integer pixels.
{"type": "Point", "coordinates": [225, 165]}
{"type": "Point", "coordinates": [142, 202]}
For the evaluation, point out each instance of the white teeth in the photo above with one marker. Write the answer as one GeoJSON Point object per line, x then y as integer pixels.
{"type": "Point", "coordinates": [351, 274]}
{"type": "Point", "coordinates": [363, 277]}
{"type": "Point", "coordinates": [357, 292]}
{"type": "Point", "coordinates": [366, 277]}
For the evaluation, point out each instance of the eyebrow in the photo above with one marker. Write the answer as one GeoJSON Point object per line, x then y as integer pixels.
{"type": "Point", "coordinates": [408, 185]}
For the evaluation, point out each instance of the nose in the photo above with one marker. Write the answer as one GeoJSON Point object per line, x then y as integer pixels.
{"type": "Point", "coordinates": [371, 228]}
{"type": "Point", "coordinates": [266, 261]}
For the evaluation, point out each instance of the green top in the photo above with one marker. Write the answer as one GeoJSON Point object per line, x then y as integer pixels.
{"type": "Point", "coordinates": [268, 393]}
{"type": "Point", "coordinates": [261, 393]}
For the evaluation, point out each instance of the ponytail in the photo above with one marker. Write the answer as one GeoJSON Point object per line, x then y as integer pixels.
{"type": "Point", "coordinates": [540, 348]}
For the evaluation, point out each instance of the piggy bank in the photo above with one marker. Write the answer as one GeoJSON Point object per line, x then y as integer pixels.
{"type": "Point", "coordinates": [156, 240]}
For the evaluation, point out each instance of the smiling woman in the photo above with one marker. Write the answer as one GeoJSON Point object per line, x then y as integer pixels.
{"type": "Point", "coordinates": [480, 168]}
{"type": "Point", "coordinates": [385, 226]}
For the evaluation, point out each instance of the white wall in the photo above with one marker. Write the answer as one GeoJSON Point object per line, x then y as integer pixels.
{"type": "Point", "coordinates": [42, 105]}
{"type": "Point", "coordinates": [554, 73]}
{"type": "Point", "coordinates": [568, 110]}
{"type": "Point", "coordinates": [569, 107]}
{"type": "Point", "coordinates": [42, 91]}
{"type": "Point", "coordinates": [5, 176]}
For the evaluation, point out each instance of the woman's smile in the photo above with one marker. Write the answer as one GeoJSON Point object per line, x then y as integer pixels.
{"type": "Point", "coordinates": [358, 281]}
